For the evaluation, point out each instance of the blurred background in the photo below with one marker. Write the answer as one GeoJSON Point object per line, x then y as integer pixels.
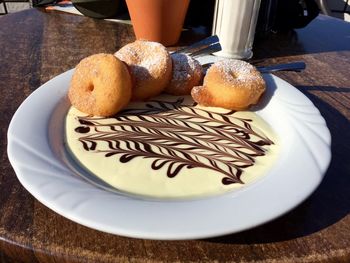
{"type": "Point", "coordinates": [200, 12]}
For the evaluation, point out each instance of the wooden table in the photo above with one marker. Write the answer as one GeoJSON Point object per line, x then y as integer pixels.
{"type": "Point", "coordinates": [36, 46]}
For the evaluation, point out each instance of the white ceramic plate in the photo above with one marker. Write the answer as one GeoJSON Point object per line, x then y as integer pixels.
{"type": "Point", "coordinates": [35, 152]}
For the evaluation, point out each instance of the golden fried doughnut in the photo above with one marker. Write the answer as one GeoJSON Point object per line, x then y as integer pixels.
{"type": "Point", "coordinates": [150, 65]}
{"type": "Point", "coordinates": [101, 85]}
{"type": "Point", "coordinates": [230, 84]}
{"type": "Point", "coordinates": [187, 73]}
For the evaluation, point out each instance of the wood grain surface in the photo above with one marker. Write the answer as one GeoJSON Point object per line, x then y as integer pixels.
{"type": "Point", "coordinates": [36, 46]}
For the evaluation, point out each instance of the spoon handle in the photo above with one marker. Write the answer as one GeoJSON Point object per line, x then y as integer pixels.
{"type": "Point", "coordinates": [294, 66]}
{"type": "Point", "coordinates": [206, 51]}
{"type": "Point", "coordinates": [204, 46]}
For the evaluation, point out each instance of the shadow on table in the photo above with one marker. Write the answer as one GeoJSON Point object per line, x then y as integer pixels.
{"type": "Point", "coordinates": [331, 200]}
{"type": "Point", "coordinates": [312, 39]}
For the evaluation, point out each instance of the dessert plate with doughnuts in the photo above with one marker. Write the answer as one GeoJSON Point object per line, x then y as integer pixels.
{"type": "Point", "coordinates": [146, 144]}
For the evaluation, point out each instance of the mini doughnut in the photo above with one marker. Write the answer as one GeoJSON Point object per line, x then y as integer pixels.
{"type": "Point", "coordinates": [150, 65]}
{"type": "Point", "coordinates": [230, 84]}
{"type": "Point", "coordinates": [187, 73]}
{"type": "Point", "coordinates": [101, 85]}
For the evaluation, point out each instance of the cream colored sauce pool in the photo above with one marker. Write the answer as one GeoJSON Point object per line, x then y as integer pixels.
{"type": "Point", "coordinates": [167, 148]}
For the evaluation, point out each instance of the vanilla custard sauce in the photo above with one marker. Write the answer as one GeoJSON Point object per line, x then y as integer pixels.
{"type": "Point", "coordinates": [169, 147]}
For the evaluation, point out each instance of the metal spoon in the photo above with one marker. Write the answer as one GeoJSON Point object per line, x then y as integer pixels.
{"type": "Point", "coordinates": [206, 46]}
{"type": "Point", "coordinates": [211, 44]}
{"type": "Point", "coordinates": [292, 66]}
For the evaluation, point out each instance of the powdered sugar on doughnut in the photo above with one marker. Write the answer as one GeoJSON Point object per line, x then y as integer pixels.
{"type": "Point", "coordinates": [143, 59]}
{"type": "Point", "coordinates": [187, 72]}
{"type": "Point", "coordinates": [183, 65]}
{"type": "Point", "coordinates": [150, 65]}
{"type": "Point", "coordinates": [230, 84]}
{"type": "Point", "coordinates": [235, 70]}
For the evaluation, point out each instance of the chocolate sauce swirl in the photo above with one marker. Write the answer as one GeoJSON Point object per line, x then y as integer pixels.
{"type": "Point", "coordinates": [177, 136]}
